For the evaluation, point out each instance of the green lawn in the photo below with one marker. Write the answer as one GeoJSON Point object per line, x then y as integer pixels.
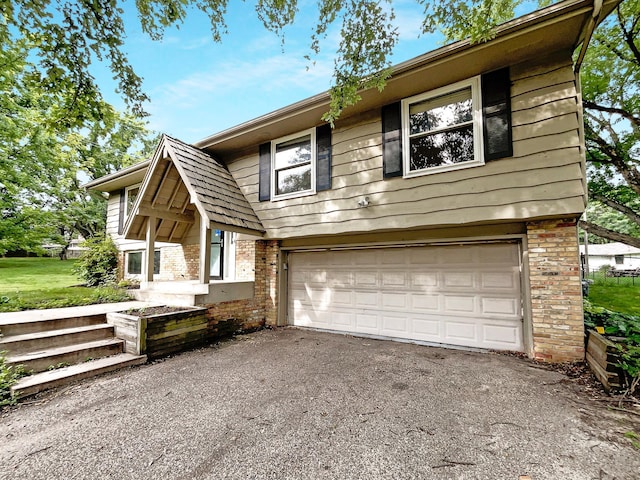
{"type": "Point", "coordinates": [618, 294]}
{"type": "Point", "coordinates": [34, 283]}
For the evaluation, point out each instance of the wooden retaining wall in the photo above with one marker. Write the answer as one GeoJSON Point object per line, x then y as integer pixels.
{"type": "Point", "coordinates": [602, 357]}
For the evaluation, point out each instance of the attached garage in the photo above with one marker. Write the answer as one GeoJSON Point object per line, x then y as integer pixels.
{"type": "Point", "coordinates": [463, 295]}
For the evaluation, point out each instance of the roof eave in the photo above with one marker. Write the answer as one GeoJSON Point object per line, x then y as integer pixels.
{"type": "Point", "coordinates": [120, 179]}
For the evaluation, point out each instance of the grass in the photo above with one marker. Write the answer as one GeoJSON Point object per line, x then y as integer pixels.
{"type": "Point", "coordinates": [618, 294]}
{"type": "Point", "coordinates": [36, 283]}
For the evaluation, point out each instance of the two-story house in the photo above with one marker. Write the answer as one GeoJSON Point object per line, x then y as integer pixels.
{"type": "Point", "coordinates": [441, 210]}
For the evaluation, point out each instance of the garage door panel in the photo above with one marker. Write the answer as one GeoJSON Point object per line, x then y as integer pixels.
{"type": "Point", "coordinates": [461, 295]}
{"type": "Point", "coordinates": [427, 302]}
{"type": "Point", "coordinates": [426, 329]}
{"type": "Point", "coordinates": [499, 281]}
{"type": "Point", "coordinates": [419, 279]}
{"type": "Point", "coordinates": [457, 330]}
{"type": "Point", "coordinates": [394, 279]}
{"type": "Point", "coordinates": [460, 303]}
{"type": "Point", "coordinates": [366, 279]}
{"type": "Point", "coordinates": [501, 335]}
{"type": "Point", "coordinates": [501, 306]}
{"type": "Point", "coordinates": [395, 325]}
{"type": "Point", "coordinates": [366, 299]}
{"type": "Point", "coordinates": [459, 279]}
{"type": "Point", "coordinates": [366, 322]}
{"type": "Point", "coordinates": [394, 301]}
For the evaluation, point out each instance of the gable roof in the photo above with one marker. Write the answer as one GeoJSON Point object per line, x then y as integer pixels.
{"type": "Point", "coordinates": [182, 179]}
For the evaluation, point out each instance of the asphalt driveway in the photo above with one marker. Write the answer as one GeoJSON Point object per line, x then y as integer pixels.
{"type": "Point", "coordinates": [291, 404]}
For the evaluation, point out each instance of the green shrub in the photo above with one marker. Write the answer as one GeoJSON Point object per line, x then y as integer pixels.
{"type": "Point", "coordinates": [625, 326]}
{"type": "Point", "coordinates": [98, 265]}
{"type": "Point", "coordinates": [9, 375]}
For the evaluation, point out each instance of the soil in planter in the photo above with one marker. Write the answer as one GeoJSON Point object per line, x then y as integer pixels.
{"type": "Point", "coordinates": [147, 312]}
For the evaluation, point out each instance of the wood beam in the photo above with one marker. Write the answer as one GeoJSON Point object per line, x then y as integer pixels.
{"type": "Point", "coordinates": [204, 272]}
{"type": "Point", "coordinates": [175, 191]}
{"type": "Point", "coordinates": [167, 169]}
{"type": "Point", "coordinates": [150, 248]}
{"type": "Point", "coordinates": [166, 215]}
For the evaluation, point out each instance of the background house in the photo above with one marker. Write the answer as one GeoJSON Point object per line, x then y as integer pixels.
{"type": "Point", "coordinates": [615, 255]}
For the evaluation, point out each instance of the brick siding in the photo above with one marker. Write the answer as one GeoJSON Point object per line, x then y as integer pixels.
{"type": "Point", "coordinates": [556, 293]}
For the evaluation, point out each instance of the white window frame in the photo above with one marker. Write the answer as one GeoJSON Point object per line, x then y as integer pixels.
{"type": "Point", "coordinates": [312, 134]}
{"type": "Point", "coordinates": [143, 255]}
{"type": "Point", "coordinates": [478, 148]}
{"type": "Point", "coordinates": [126, 198]}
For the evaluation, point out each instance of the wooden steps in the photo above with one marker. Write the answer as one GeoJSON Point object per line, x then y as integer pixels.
{"type": "Point", "coordinates": [39, 361]}
{"type": "Point", "coordinates": [63, 349]}
{"type": "Point", "coordinates": [54, 378]}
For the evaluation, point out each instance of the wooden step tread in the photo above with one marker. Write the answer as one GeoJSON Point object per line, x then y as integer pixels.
{"type": "Point", "coordinates": [58, 351]}
{"type": "Point", "coordinates": [53, 378]}
{"type": "Point", "coordinates": [52, 333]}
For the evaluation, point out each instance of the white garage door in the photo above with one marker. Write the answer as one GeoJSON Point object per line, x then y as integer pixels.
{"type": "Point", "coordinates": [459, 295]}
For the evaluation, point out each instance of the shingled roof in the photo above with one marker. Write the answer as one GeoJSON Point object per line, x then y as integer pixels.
{"type": "Point", "coordinates": [181, 180]}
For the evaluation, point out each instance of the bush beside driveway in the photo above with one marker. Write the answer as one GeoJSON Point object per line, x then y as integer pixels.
{"type": "Point", "coordinates": [294, 404]}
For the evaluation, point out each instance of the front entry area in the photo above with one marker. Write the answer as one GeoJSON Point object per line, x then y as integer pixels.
{"type": "Point", "coordinates": [462, 295]}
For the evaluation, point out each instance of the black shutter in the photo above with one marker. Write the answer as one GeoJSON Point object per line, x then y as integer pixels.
{"type": "Point", "coordinates": [264, 193]}
{"type": "Point", "coordinates": [323, 160]}
{"type": "Point", "coordinates": [392, 140]}
{"type": "Point", "coordinates": [121, 212]}
{"type": "Point", "coordinates": [496, 114]}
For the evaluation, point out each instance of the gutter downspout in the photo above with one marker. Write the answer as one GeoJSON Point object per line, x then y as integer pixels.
{"type": "Point", "coordinates": [589, 29]}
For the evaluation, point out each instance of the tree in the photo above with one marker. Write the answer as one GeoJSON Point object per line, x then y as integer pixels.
{"type": "Point", "coordinates": [69, 35]}
{"type": "Point", "coordinates": [43, 162]}
{"type": "Point", "coordinates": [611, 91]}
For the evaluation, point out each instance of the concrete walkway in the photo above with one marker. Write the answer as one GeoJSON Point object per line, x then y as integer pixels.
{"type": "Point", "coordinates": [294, 404]}
{"type": "Point", "coordinates": [67, 312]}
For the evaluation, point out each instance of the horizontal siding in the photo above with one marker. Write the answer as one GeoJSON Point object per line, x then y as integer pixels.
{"type": "Point", "coordinates": [543, 178]}
{"type": "Point", "coordinates": [113, 214]}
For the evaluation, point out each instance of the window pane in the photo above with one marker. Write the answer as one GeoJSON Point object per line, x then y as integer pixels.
{"type": "Point", "coordinates": [293, 179]}
{"type": "Point", "coordinates": [293, 152]}
{"type": "Point", "coordinates": [441, 112]}
{"type": "Point", "coordinates": [132, 194]}
{"type": "Point", "coordinates": [156, 262]}
{"type": "Point", "coordinates": [134, 263]}
{"type": "Point", "coordinates": [445, 148]}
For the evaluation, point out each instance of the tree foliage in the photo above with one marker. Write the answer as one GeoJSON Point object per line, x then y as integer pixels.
{"type": "Point", "coordinates": [43, 162]}
{"type": "Point", "coordinates": [611, 91]}
{"type": "Point", "coordinates": [68, 36]}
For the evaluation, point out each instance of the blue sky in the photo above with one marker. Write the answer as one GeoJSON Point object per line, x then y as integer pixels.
{"type": "Point", "coordinates": [198, 87]}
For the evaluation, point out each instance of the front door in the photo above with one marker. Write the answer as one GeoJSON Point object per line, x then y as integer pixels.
{"type": "Point", "coordinates": [217, 254]}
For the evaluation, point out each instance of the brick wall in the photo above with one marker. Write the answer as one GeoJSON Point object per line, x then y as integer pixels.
{"type": "Point", "coordinates": [262, 308]}
{"type": "Point", "coordinates": [245, 259]}
{"type": "Point", "coordinates": [179, 262]}
{"type": "Point", "coordinates": [556, 293]}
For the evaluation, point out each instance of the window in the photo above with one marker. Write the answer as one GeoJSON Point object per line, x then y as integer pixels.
{"type": "Point", "coordinates": [619, 259]}
{"type": "Point", "coordinates": [134, 262]}
{"type": "Point", "coordinates": [130, 194]}
{"type": "Point", "coordinates": [293, 164]}
{"type": "Point", "coordinates": [442, 129]}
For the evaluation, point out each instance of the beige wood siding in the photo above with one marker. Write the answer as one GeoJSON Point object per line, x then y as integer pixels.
{"type": "Point", "coordinates": [544, 178]}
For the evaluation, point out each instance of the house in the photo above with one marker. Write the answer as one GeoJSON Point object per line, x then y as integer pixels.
{"type": "Point", "coordinates": [441, 210]}
{"type": "Point", "coordinates": [616, 255]}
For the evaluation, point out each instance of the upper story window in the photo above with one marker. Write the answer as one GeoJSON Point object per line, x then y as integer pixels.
{"type": "Point", "coordinates": [130, 196]}
{"type": "Point", "coordinates": [442, 129]}
{"type": "Point", "coordinates": [294, 165]}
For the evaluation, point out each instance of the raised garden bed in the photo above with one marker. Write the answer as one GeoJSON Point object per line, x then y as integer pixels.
{"type": "Point", "coordinates": [603, 358]}
{"type": "Point", "coordinates": [161, 331]}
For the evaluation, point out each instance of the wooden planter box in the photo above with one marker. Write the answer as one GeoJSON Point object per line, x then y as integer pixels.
{"type": "Point", "coordinates": [602, 357]}
{"type": "Point", "coordinates": [160, 334]}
